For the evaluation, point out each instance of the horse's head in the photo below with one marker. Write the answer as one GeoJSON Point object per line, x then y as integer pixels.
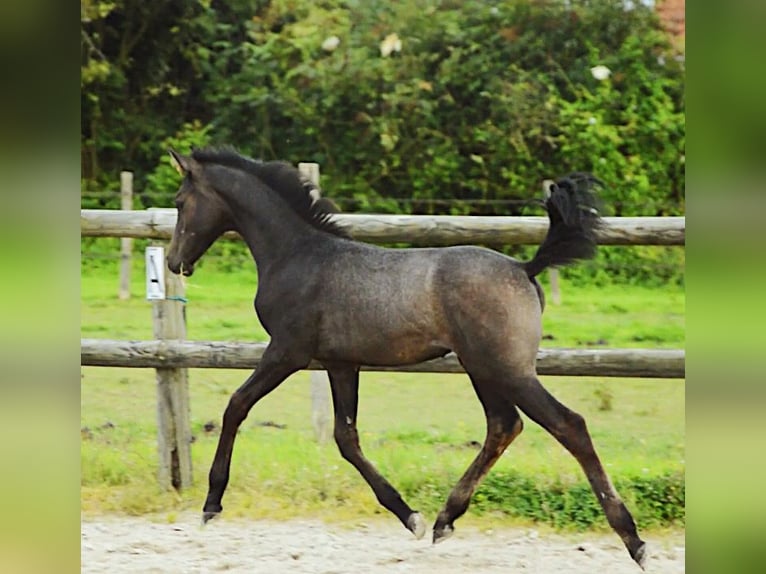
{"type": "Point", "coordinates": [202, 216]}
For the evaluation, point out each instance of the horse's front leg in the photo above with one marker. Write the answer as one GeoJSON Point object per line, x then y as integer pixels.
{"type": "Point", "coordinates": [344, 382]}
{"type": "Point", "coordinates": [276, 365]}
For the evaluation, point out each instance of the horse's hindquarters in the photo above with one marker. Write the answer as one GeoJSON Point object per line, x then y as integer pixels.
{"type": "Point", "coordinates": [493, 312]}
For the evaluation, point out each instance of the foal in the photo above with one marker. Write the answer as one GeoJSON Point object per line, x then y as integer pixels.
{"type": "Point", "coordinates": [321, 295]}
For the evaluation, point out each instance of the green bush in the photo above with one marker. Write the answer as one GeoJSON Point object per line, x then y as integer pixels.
{"type": "Point", "coordinates": [654, 500]}
{"type": "Point", "coordinates": [482, 102]}
{"type": "Point", "coordinates": [163, 182]}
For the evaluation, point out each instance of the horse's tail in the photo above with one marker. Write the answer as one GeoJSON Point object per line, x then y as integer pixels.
{"type": "Point", "coordinates": [574, 220]}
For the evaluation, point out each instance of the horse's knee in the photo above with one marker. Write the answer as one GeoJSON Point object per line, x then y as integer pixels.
{"type": "Point", "coordinates": [573, 433]}
{"type": "Point", "coordinates": [510, 426]}
{"type": "Point", "coordinates": [576, 423]}
{"type": "Point", "coordinates": [235, 412]}
{"type": "Point", "coordinates": [347, 441]}
{"type": "Point", "coordinates": [510, 422]}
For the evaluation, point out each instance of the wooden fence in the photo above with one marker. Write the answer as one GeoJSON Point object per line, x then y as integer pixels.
{"type": "Point", "coordinates": [171, 355]}
{"type": "Point", "coordinates": [650, 363]}
{"type": "Point", "coordinates": [436, 230]}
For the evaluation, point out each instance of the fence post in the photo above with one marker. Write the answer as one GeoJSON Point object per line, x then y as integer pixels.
{"type": "Point", "coordinates": [173, 426]}
{"type": "Point", "coordinates": [320, 385]}
{"type": "Point", "coordinates": [553, 273]}
{"type": "Point", "coordinates": [126, 243]}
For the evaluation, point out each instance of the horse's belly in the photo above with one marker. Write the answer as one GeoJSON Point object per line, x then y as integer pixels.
{"type": "Point", "coordinates": [382, 351]}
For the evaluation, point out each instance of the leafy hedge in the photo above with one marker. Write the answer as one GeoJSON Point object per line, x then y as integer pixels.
{"type": "Point", "coordinates": [481, 102]}
{"type": "Point", "coordinates": [653, 500]}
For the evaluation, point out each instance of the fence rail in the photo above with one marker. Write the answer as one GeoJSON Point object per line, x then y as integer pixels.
{"type": "Point", "coordinates": [434, 230]}
{"type": "Point", "coordinates": [651, 363]}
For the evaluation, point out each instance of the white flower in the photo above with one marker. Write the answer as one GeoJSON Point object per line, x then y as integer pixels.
{"type": "Point", "coordinates": [592, 121]}
{"type": "Point", "coordinates": [600, 72]}
{"type": "Point", "coordinates": [330, 43]}
{"type": "Point", "coordinates": [390, 44]}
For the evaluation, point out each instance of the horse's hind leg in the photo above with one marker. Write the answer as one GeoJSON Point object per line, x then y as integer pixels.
{"type": "Point", "coordinates": [503, 425]}
{"type": "Point", "coordinates": [570, 430]}
{"type": "Point", "coordinates": [344, 383]}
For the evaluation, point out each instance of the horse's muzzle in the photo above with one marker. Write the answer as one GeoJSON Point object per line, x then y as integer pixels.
{"type": "Point", "coordinates": [180, 268]}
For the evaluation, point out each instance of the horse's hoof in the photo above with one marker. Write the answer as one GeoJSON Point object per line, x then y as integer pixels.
{"type": "Point", "coordinates": [442, 533]}
{"type": "Point", "coordinates": [416, 525]}
{"type": "Point", "coordinates": [640, 556]}
{"type": "Point", "coordinates": [207, 516]}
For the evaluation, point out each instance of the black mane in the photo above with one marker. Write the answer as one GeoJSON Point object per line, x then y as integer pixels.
{"type": "Point", "coordinates": [284, 179]}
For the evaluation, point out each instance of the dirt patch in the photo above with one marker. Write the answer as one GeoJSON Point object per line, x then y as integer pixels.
{"type": "Point", "coordinates": [126, 544]}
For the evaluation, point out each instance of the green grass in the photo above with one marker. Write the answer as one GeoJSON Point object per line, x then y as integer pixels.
{"type": "Point", "coordinates": [616, 316]}
{"type": "Point", "coordinates": [417, 428]}
{"type": "Point", "coordinates": [421, 449]}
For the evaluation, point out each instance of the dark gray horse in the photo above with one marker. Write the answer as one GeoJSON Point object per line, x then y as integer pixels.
{"type": "Point", "coordinates": [322, 295]}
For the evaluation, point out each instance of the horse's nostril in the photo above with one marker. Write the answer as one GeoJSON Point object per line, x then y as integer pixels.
{"type": "Point", "coordinates": [174, 265]}
{"type": "Point", "coordinates": [186, 270]}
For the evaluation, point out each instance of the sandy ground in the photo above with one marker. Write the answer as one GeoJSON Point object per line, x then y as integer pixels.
{"type": "Point", "coordinates": [125, 544]}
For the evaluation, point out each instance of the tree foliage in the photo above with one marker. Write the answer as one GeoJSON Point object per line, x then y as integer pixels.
{"type": "Point", "coordinates": [482, 101]}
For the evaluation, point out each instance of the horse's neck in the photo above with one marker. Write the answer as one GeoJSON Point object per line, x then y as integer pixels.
{"type": "Point", "coordinates": [268, 225]}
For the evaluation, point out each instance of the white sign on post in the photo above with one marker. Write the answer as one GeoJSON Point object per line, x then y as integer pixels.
{"type": "Point", "coordinates": [155, 273]}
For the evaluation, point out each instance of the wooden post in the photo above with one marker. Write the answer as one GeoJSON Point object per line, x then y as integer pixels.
{"type": "Point", "coordinates": [320, 406]}
{"type": "Point", "coordinates": [553, 273]}
{"type": "Point", "coordinates": [126, 243]}
{"type": "Point", "coordinates": [173, 426]}
{"type": "Point", "coordinates": [320, 384]}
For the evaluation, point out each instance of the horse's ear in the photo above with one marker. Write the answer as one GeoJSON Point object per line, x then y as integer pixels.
{"type": "Point", "coordinates": [179, 162]}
